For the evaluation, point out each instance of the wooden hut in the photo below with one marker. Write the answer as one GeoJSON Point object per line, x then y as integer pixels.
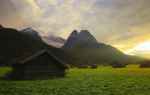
{"type": "Point", "coordinates": [40, 65]}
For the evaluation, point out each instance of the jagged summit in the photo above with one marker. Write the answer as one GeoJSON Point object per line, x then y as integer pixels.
{"type": "Point", "coordinates": [74, 33]}
{"type": "Point", "coordinates": [87, 37]}
{"type": "Point", "coordinates": [75, 38]}
{"type": "Point", "coordinates": [84, 32]}
{"type": "Point", "coordinates": [72, 40]}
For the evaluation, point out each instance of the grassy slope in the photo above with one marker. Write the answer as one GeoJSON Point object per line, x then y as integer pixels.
{"type": "Point", "coordinates": [101, 54]}
{"type": "Point", "coordinates": [102, 81]}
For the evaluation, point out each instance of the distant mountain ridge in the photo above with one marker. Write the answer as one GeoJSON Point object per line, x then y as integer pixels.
{"type": "Point", "coordinates": [55, 39]}
{"type": "Point", "coordinates": [50, 40]}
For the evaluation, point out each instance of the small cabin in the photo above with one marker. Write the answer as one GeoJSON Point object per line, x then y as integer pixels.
{"type": "Point", "coordinates": [40, 65]}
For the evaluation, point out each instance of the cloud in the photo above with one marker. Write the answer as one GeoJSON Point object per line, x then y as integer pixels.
{"type": "Point", "coordinates": [116, 22]}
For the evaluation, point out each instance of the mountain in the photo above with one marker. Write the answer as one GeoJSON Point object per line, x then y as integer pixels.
{"type": "Point", "coordinates": [87, 37]}
{"type": "Point", "coordinates": [86, 50]}
{"type": "Point", "coordinates": [50, 40]}
{"type": "Point", "coordinates": [76, 39]}
{"type": "Point", "coordinates": [32, 33]}
{"type": "Point", "coordinates": [72, 41]}
{"type": "Point", "coordinates": [54, 41]}
{"type": "Point", "coordinates": [14, 44]}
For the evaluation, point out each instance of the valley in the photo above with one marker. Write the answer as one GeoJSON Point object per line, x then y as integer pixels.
{"type": "Point", "coordinates": [104, 80]}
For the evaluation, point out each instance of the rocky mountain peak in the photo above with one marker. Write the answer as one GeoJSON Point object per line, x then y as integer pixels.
{"type": "Point", "coordinates": [87, 37]}
{"type": "Point", "coordinates": [74, 33]}
{"type": "Point", "coordinates": [84, 32]}
{"type": "Point", "coordinates": [76, 38]}
{"type": "Point", "coordinates": [72, 40]}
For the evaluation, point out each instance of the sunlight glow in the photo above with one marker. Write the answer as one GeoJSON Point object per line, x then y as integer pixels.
{"type": "Point", "coordinates": [140, 47]}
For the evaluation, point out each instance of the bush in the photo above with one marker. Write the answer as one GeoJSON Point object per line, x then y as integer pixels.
{"type": "Point", "coordinates": [116, 64]}
{"type": "Point", "coordinates": [145, 64]}
{"type": "Point", "coordinates": [94, 67]}
{"type": "Point", "coordinates": [82, 66]}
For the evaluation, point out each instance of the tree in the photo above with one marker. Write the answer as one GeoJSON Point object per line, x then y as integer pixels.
{"type": "Point", "coordinates": [145, 64]}
{"type": "Point", "coordinates": [116, 64]}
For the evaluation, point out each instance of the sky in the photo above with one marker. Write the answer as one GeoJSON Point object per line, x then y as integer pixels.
{"type": "Point", "coordinates": [124, 24]}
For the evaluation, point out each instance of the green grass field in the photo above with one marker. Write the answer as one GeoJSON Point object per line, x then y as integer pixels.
{"type": "Point", "coordinates": [101, 81]}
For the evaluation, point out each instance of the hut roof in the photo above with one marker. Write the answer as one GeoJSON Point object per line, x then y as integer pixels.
{"type": "Point", "coordinates": [27, 57]}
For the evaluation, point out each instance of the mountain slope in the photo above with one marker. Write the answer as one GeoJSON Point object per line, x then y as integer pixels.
{"type": "Point", "coordinates": [72, 41]}
{"type": "Point", "coordinates": [14, 44]}
{"type": "Point", "coordinates": [85, 36]}
{"type": "Point", "coordinates": [87, 50]}
{"type": "Point", "coordinates": [32, 33]}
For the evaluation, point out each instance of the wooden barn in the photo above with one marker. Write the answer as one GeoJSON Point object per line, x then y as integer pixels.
{"type": "Point", "coordinates": [40, 65]}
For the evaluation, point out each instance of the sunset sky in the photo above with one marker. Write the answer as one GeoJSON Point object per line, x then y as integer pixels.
{"type": "Point", "coordinates": [124, 24]}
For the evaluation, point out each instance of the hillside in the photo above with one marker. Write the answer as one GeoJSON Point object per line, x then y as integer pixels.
{"type": "Point", "coordinates": [87, 50]}
{"type": "Point", "coordinates": [14, 44]}
{"type": "Point", "coordinates": [33, 34]}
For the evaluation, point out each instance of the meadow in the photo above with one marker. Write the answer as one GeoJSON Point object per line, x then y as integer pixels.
{"type": "Point", "coordinates": [104, 80]}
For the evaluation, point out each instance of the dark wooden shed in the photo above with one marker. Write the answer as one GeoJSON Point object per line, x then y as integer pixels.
{"type": "Point", "coordinates": [40, 65]}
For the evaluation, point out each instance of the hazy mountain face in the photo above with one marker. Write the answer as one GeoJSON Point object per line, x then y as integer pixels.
{"type": "Point", "coordinates": [54, 41]}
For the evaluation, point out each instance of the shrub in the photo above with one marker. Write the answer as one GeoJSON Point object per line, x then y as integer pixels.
{"type": "Point", "coordinates": [82, 66]}
{"type": "Point", "coordinates": [145, 64]}
{"type": "Point", "coordinates": [116, 64]}
{"type": "Point", "coordinates": [70, 65]}
{"type": "Point", "coordinates": [94, 67]}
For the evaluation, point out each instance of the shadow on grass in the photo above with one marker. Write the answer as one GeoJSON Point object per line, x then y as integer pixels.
{"type": "Point", "coordinates": [10, 76]}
